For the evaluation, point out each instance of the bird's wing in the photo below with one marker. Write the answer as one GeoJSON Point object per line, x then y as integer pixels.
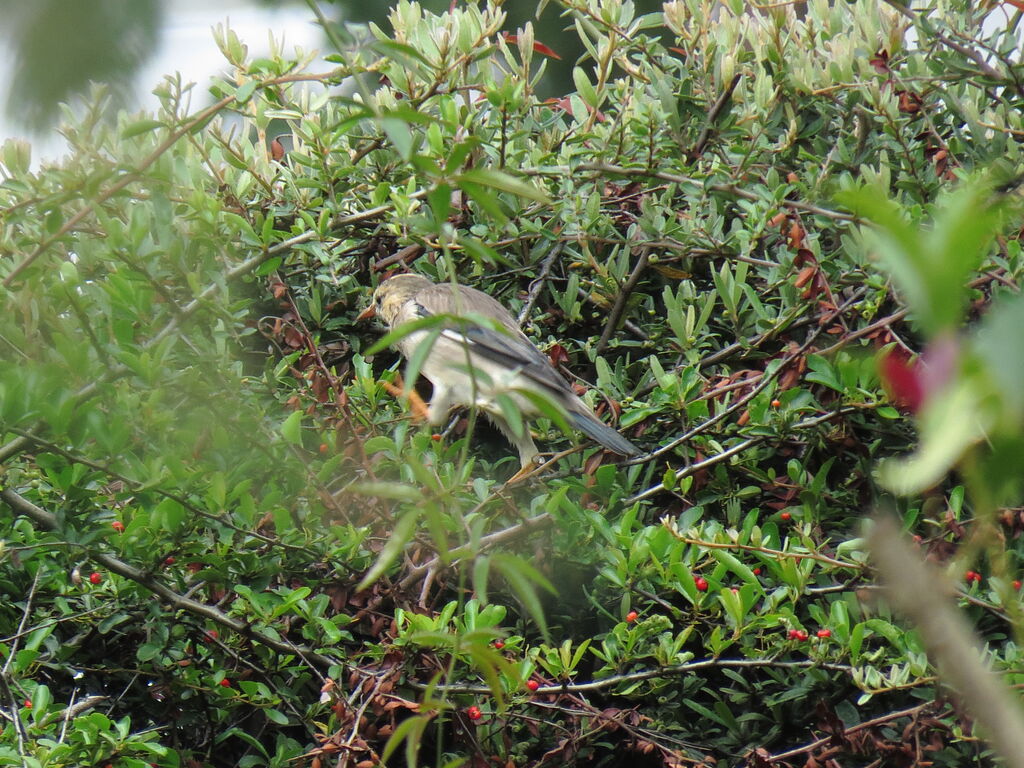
{"type": "Point", "coordinates": [507, 347]}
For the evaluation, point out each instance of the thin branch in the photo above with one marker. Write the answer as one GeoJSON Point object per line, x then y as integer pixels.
{"type": "Point", "coordinates": [538, 283]}
{"type": "Point", "coordinates": [716, 109]}
{"type": "Point", "coordinates": [651, 674]}
{"type": "Point", "coordinates": [621, 298]}
{"type": "Point", "coordinates": [882, 720]}
{"type": "Point", "coordinates": [750, 442]}
{"type": "Point", "coordinates": [776, 553]}
{"type": "Point", "coordinates": [47, 520]}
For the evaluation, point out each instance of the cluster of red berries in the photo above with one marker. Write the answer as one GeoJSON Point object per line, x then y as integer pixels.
{"type": "Point", "coordinates": [801, 634]}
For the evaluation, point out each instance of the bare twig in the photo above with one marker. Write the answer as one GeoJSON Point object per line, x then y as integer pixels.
{"type": "Point", "coordinates": [650, 674]}
{"type": "Point", "coordinates": [747, 444]}
{"type": "Point", "coordinates": [621, 298]}
{"type": "Point", "coordinates": [538, 283]}
{"type": "Point", "coordinates": [713, 113]}
{"type": "Point", "coordinates": [867, 724]}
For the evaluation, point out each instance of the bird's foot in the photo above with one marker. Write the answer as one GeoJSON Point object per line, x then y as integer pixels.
{"type": "Point", "coordinates": [538, 465]}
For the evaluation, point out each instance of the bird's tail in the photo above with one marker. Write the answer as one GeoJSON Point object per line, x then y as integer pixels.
{"type": "Point", "coordinates": [597, 430]}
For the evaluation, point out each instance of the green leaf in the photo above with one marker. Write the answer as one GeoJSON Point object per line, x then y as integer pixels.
{"type": "Point", "coordinates": [401, 535]}
{"type": "Point", "coordinates": [488, 177]}
{"type": "Point", "coordinates": [139, 127]}
{"type": "Point", "coordinates": [523, 578]}
{"type": "Point", "coordinates": [291, 429]}
{"type": "Point", "coordinates": [245, 91]}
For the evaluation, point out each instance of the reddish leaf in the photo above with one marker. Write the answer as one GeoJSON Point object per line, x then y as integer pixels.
{"type": "Point", "coordinates": [557, 355]}
{"type": "Point", "coordinates": [538, 47]}
{"type": "Point", "coordinates": [902, 379]}
{"type": "Point", "coordinates": [880, 61]}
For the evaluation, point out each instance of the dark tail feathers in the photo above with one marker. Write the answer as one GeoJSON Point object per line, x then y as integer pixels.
{"type": "Point", "coordinates": [597, 430]}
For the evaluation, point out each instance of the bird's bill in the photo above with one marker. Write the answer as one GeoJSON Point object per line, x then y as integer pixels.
{"type": "Point", "coordinates": [367, 314]}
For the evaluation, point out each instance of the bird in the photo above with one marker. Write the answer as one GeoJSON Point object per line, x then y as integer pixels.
{"type": "Point", "coordinates": [479, 354]}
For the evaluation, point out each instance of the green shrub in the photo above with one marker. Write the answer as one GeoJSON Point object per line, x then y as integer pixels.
{"type": "Point", "coordinates": [291, 571]}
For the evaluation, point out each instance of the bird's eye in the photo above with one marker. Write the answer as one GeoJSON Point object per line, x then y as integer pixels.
{"type": "Point", "coordinates": [377, 301]}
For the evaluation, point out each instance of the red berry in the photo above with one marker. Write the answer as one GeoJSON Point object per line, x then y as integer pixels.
{"type": "Point", "coordinates": [631, 617]}
{"type": "Point", "coordinates": [324, 448]}
{"type": "Point", "coordinates": [824, 633]}
{"type": "Point", "coordinates": [1016, 584]}
{"type": "Point", "coordinates": [210, 635]}
{"type": "Point", "coordinates": [776, 403]}
{"type": "Point", "coordinates": [499, 644]}
{"type": "Point", "coordinates": [435, 437]}
{"type": "Point", "coordinates": [225, 683]}
{"type": "Point", "coordinates": [474, 713]}
{"type": "Point", "coordinates": [118, 526]}
{"type": "Point", "coordinates": [785, 517]}
{"type": "Point", "coordinates": [801, 635]}
{"type": "Point", "coordinates": [95, 577]}
{"type": "Point", "coordinates": [972, 576]}
{"type": "Point", "coordinates": [27, 703]}
{"type": "Point", "coordinates": [701, 584]}
{"type": "Point", "coordinates": [532, 685]}
{"type": "Point", "coordinates": [169, 561]}
{"type": "Point", "coordinates": [757, 571]}
{"type": "Point", "coordinates": [793, 634]}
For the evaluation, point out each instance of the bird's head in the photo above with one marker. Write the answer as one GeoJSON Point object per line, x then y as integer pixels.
{"type": "Point", "coordinates": [391, 295]}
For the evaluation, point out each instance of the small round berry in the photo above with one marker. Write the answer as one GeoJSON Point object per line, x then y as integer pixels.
{"type": "Point", "coordinates": [225, 683]}
{"type": "Point", "coordinates": [734, 590]}
{"type": "Point", "coordinates": [118, 526]}
{"type": "Point", "coordinates": [499, 644]}
{"type": "Point", "coordinates": [631, 617]}
{"type": "Point", "coordinates": [972, 576]}
{"type": "Point", "coordinates": [435, 437]}
{"type": "Point", "coordinates": [824, 634]}
{"type": "Point", "coordinates": [1016, 584]}
{"type": "Point", "coordinates": [776, 403]}
{"type": "Point", "coordinates": [27, 704]}
{"type": "Point", "coordinates": [785, 517]}
{"type": "Point", "coordinates": [474, 713]}
{"type": "Point", "coordinates": [324, 448]}
{"type": "Point", "coordinates": [95, 577]}
{"type": "Point", "coordinates": [757, 571]}
{"type": "Point", "coordinates": [210, 635]}
{"type": "Point", "coordinates": [793, 634]}
{"type": "Point", "coordinates": [169, 560]}
{"type": "Point", "coordinates": [532, 685]}
{"type": "Point", "coordinates": [801, 635]}
{"type": "Point", "coordinates": [701, 584]}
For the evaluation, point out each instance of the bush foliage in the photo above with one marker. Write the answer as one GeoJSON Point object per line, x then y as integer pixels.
{"type": "Point", "coordinates": [225, 541]}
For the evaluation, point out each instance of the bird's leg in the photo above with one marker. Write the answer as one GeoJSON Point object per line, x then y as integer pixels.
{"type": "Point", "coordinates": [540, 465]}
{"type": "Point", "coordinates": [440, 403]}
{"type": "Point", "coordinates": [529, 456]}
{"type": "Point", "coordinates": [416, 404]}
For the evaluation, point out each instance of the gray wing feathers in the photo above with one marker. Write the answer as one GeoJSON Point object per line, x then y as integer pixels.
{"type": "Point", "coordinates": [514, 350]}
